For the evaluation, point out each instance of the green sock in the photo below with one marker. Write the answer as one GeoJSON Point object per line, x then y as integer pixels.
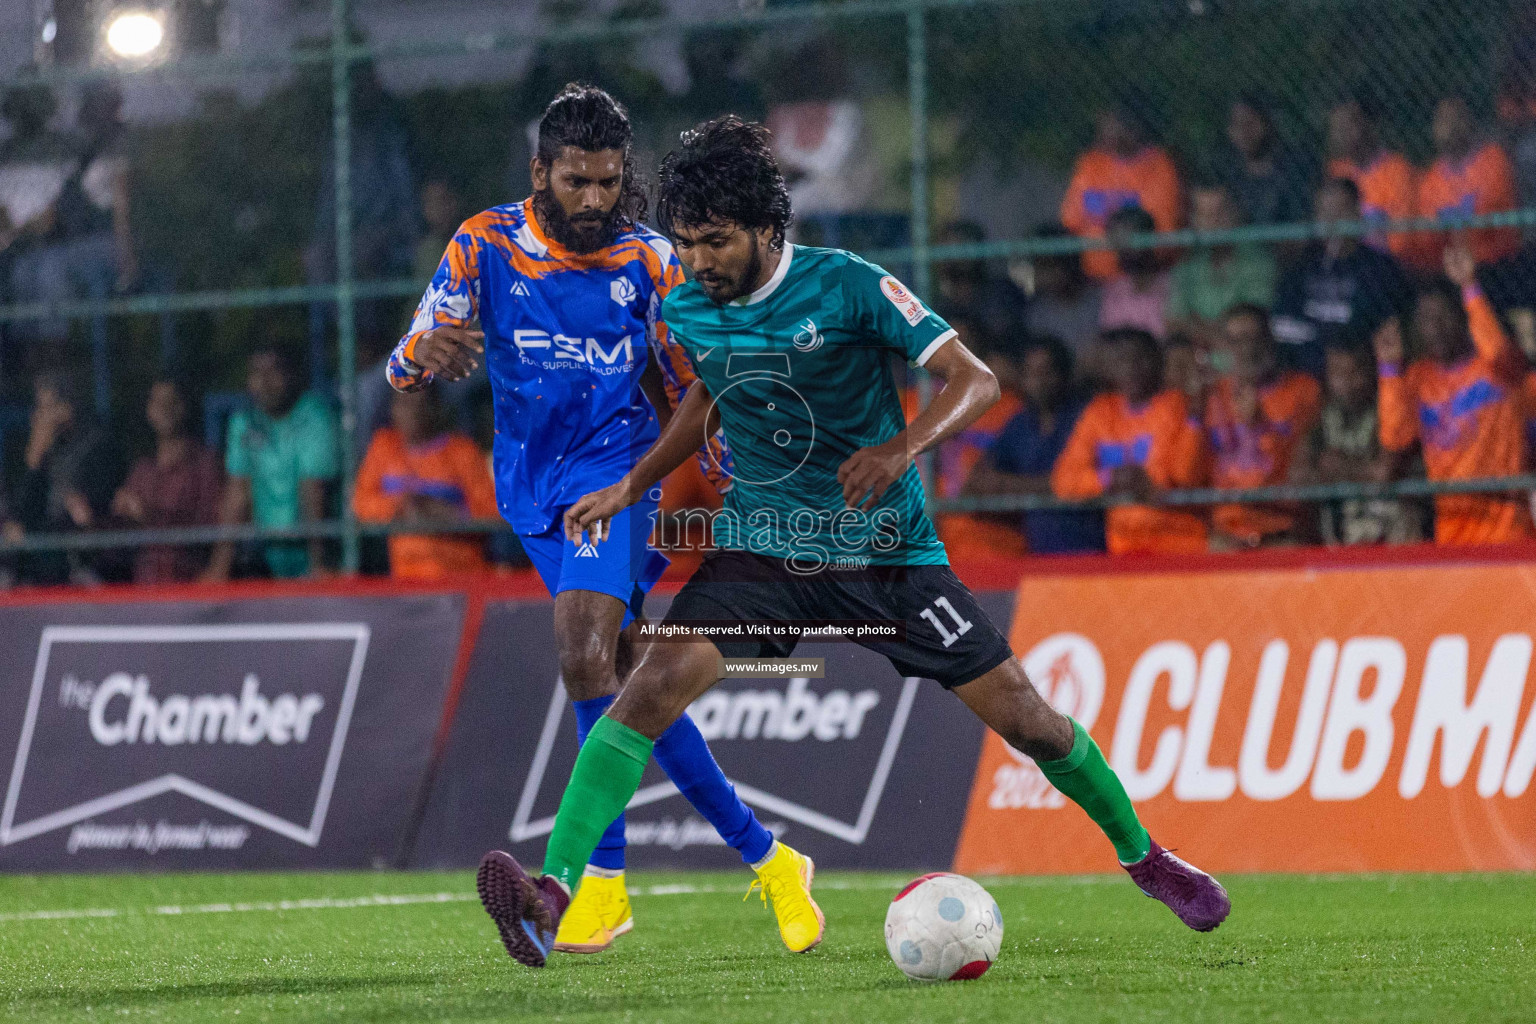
{"type": "Point", "coordinates": [1088, 781]}
{"type": "Point", "coordinates": [606, 775]}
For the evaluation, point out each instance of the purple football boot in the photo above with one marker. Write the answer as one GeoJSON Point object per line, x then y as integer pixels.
{"type": "Point", "coordinates": [1194, 896]}
{"type": "Point", "coordinates": [527, 912]}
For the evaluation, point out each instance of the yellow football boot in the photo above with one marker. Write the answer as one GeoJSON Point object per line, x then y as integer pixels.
{"type": "Point", "coordinates": [598, 915]}
{"type": "Point", "coordinates": [786, 880]}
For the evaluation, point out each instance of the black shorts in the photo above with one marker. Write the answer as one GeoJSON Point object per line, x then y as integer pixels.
{"type": "Point", "coordinates": [948, 638]}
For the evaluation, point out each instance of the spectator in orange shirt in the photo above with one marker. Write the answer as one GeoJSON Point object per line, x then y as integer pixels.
{"type": "Point", "coordinates": [1470, 177]}
{"type": "Point", "coordinates": [1463, 401]}
{"type": "Point", "coordinates": [1134, 442]}
{"type": "Point", "coordinates": [418, 471]}
{"type": "Point", "coordinates": [1385, 179]}
{"type": "Point", "coordinates": [1255, 417]}
{"type": "Point", "coordinates": [1122, 169]}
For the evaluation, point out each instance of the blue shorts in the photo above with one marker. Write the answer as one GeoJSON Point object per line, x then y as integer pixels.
{"type": "Point", "coordinates": [623, 565]}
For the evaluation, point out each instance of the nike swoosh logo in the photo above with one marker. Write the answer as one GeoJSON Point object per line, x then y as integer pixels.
{"type": "Point", "coordinates": [705, 353]}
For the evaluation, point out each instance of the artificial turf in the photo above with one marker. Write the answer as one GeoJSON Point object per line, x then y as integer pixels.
{"type": "Point", "coordinates": [1297, 949]}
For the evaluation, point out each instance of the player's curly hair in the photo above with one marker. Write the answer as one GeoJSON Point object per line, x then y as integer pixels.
{"type": "Point", "coordinates": [724, 172]}
{"type": "Point", "coordinates": [589, 119]}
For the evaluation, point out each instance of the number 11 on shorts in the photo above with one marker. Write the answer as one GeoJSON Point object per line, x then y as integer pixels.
{"type": "Point", "coordinates": [962, 626]}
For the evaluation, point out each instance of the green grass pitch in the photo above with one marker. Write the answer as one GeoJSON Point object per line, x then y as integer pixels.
{"type": "Point", "coordinates": [416, 947]}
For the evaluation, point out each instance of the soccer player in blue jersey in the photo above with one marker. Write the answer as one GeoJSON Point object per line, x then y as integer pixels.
{"type": "Point", "coordinates": [566, 286]}
{"type": "Point", "coordinates": [792, 348]}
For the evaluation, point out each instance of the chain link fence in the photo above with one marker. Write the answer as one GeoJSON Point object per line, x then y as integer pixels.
{"type": "Point", "coordinates": [295, 192]}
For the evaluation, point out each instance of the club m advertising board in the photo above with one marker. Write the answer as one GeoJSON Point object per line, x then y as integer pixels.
{"type": "Point", "coordinates": [290, 732]}
{"type": "Point", "coordinates": [1281, 720]}
{"type": "Point", "coordinates": [860, 768]}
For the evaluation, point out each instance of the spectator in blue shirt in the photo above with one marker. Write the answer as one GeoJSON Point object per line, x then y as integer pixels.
{"type": "Point", "coordinates": [1021, 459]}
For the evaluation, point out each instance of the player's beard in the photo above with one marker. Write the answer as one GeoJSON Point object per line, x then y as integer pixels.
{"type": "Point", "coordinates": [583, 233]}
{"type": "Point", "coordinates": [743, 284]}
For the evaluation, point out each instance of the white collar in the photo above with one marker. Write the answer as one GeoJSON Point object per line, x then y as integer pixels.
{"type": "Point", "coordinates": [772, 283]}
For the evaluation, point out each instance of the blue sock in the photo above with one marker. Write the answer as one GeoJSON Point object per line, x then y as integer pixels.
{"type": "Point", "coordinates": [610, 848]}
{"type": "Point", "coordinates": [685, 757]}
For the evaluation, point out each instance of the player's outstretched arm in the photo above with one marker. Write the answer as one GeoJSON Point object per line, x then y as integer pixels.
{"type": "Point", "coordinates": [970, 389]}
{"type": "Point", "coordinates": [696, 418]}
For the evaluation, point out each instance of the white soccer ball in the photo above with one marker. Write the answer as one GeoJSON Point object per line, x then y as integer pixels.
{"type": "Point", "coordinates": [943, 927]}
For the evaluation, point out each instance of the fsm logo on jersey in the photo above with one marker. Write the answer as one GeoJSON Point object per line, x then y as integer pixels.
{"type": "Point", "coordinates": [562, 349]}
{"type": "Point", "coordinates": [249, 720]}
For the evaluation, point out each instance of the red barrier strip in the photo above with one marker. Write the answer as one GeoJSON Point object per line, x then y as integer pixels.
{"type": "Point", "coordinates": [1001, 574]}
{"type": "Point", "coordinates": [1006, 574]}
{"type": "Point", "coordinates": [469, 639]}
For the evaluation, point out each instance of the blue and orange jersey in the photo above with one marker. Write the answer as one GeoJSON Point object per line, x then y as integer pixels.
{"type": "Point", "coordinates": [567, 337]}
{"type": "Point", "coordinates": [1103, 183]}
{"type": "Point", "coordinates": [1482, 183]}
{"type": "Point", "coordinates": [448, 469]}
{"type": "Point", "coordinates": [1388, 191]}
{"type": "Point", "coordinates": [968, 537]}
{"type": "Point", "coordinates": [1470, 418]}
{"type": "Point", "coordinates": [1158, 436]}
{"type": "Point", "coordinates": [1258, 454]}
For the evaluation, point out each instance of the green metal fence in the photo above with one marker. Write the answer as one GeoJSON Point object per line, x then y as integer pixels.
{"type": "Point", "coordinates": [995, 82]}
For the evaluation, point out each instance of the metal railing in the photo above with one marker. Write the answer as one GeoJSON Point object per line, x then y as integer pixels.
{"type": "Point", "coordinates": [196, 536]}
{"type": "Point", "coordinates": [342, 56]}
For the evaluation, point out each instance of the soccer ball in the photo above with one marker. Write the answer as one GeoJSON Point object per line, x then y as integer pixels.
{"type": "Point", "coordinates": [943, 927]}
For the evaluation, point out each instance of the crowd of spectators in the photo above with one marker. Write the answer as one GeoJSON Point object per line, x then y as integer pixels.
{"type": "Point", "coordinates": [268, 456]}
{"type": "Point", "coordinates": [1138, 370]}
{"type": "Point", "coordinates": [1126, 370]}
{"type": "Point", "coordinates": [280, 469]}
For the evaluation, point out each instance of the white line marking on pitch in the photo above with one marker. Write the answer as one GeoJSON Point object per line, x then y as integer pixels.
{"type": "Point", "coordinates": [411, 899]}
{"type": "Point", "coordinates": [377, 900]}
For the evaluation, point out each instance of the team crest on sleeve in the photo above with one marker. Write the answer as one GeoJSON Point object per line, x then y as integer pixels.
{"type": "Point", "coordinates": [903, 300]}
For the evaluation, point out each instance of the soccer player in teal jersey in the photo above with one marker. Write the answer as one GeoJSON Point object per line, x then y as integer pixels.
{"type": "Point", "coordinates": [792, 348]}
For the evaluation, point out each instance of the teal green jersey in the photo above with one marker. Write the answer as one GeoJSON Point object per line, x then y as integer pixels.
{"type": "Point", "coordinates": [801, 373]}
